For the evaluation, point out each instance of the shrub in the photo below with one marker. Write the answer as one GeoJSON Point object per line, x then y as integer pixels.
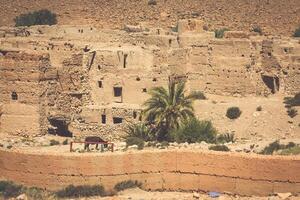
{"type": "Point", "coordinates": [54, 142]}
{"type": "Point", "coordinates": [127, 184]}
{"type": "Point", "coordinates": [259, 108]}
{"type": "Point", "coordinates": [141, 131]}
{"type": "Point", "coordinates": [291, 151]}
{"type": "Point", "coordinates": [225, 138]}
{"type": "Point", "coordinates": [65, 142]}
{"type": "Point", "coordinates": [257, 29]}
{"type": "Point", "coordinates": [292, 101]}
{"type": "Point", "coordinates": [41, 17]}
{"type": "Point", "coordinates": [9, 189]}
{"type": "Point", "coordinates": [219, 148]}
{"type": "Point", "coordinates": [275, 146]}
{"type": "Point", "coordinates": [35, 193]}
{"type": "Point", "coordinates": [152, 2]}
{"type": "Point", "coordinates": [135, 141]}
{"type": "Point", "coordinates": [194, 130]}
{"type": "Point", "coordinates": [81, 191]}
{"type": "Point", "coordinates": [219, 33]}
{"type": "Point", "coordinates": [268, 150]}
{"type": "Point", "coordinates": [292, 112]}
{"type": "Point", "coordinates": [233, 112]}
{"type": "Point", "coordinates": [297, 32]}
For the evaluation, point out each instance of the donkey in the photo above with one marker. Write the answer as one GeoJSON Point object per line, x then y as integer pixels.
{"type": "Point", "coordinates": [93, 139]}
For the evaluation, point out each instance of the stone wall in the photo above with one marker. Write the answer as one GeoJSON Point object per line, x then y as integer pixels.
{"type": "Point", "coordinates": [25, 78]}
{"type": "Point", "coordinates": [108, 73]}
{"type": "Point", "coordinates": [181, 170]}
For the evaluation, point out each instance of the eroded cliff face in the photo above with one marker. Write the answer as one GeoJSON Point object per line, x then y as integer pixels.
{"type": "Point", "coordinates": [273, 16]}
{"type": "Point", "coordinates": [82, 81]}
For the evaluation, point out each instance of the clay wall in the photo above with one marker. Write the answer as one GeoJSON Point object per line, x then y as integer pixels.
{"type": "Point", "coordinates": [25, 78]}
{"type": "Point", "coordinates": [181, 170]}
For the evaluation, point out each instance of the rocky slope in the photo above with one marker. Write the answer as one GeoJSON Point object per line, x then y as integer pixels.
{"type": "Point", "coordinates": [273, 16]}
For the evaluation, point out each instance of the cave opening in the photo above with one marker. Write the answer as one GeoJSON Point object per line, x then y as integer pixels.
{"type": "Point", "coordinates": [59, 127]}
{"type": "Point", "coordinates": [272, 83]}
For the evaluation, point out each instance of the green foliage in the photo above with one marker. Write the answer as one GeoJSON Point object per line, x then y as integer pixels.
{"type": "Point", "coordinates": [259, 108]}
{"type": "Point", "coordinates": [193, 130]}
{"type": "Point", "coordinates": [219, 148]}
{"type": "Point", "coordinates": [233, 112]}
{"type": "Point", "coordinates": [168, 108]}
{"type": "Point", "coordinates": [54, 142]}
{"type": "Point", "coordinates": [297, 32]}
{"type": "Point", "coordinates": [257, 29]}
{"type": "Point", "coordinates": [291, 151]}
{"type": "Point", "coordinates": [35, 193]}
{"type": "Point", "coordinates": [225, 138]}
{"type": "Point", "coordinates": [127, 184]}
{"type": "Point", "coordinates": [81, 191]}
{"type": "Point", "coordinates": [276, 146]}
{"type": "Point", "coordinates": [40, 17]}
{"type": "Point", "coordinates": [9, 189]}
{"type": "Point", "coordinates": [140, 130]}
{"type": "Point", "coordinates": [219, 33]}
{"type": "Point", "coordinates": [65, 142]}
{"type": "Point", "coordinates": [292, 112]}
{"type": "Point", "coordinates": [135, 141]}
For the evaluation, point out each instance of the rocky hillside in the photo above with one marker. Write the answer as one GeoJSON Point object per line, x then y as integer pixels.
{"type": "Point", "coordinates": [273, 16]}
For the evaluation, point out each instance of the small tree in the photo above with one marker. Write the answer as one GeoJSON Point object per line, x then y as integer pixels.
{"type": "Point", "coordinates": [194, 130]}
{"type": "Point", "coordinates": [168, 108]}
{"type": "Point", "coordinates": [233, 112]}
{"type": "Point", "coordinates": [219, 33]}
{"type": "Point", "coordinates": [40, 17]}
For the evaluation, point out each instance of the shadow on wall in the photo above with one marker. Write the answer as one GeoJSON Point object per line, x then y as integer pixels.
{"type": "Point", "coordinates": [59, 127]}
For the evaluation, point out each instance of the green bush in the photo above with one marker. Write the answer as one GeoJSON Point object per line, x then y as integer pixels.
{"type": "Point", "coordinates": [225, 138]}
{"type": "Point", "coordinates": [259, 108]}
{"type": "Point", "coordinates": [65, 142]}
{"type": "Point", "coordinates": [297, 32]}
{"type": "Point", "coordinates": [54, 142]}
{"type": "Point", "coordinates": [9, 189]}
{"type": "Point", "coordinates": [35, 193]}
{"type": "Point", "coordinates": [81, 191]}
{"type": "Point", "coordinates": [219, 33]}
{"type": "Point", "coordinates": [135, 141]}
{"type": "Point", "coordinates": [140, 130]}
{"type": "Point", "coordinates": [127, 184]}
{"type": "Point", "coordinates": [194, 130]}
{"type": "Point", "coordinates": [291, 151]}
{"type": "Point", "coordinates": [292, 112]}
{"type": "Point", "coordinates": [233, 112]}
{"type": "Point", "coordinates": [40, 17]}
{"type": "Point", "coordinates": [219, 148]}
{"type": "Point", "coordinates": [276, 146]}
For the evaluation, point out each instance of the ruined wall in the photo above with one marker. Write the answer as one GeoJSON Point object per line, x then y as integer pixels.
{"type": "Point", "coordinates": [181, 170]}
{"type": "Point", "coordinates": [25, 78]}
{"type": "Point", "coordinates": [103, 77]}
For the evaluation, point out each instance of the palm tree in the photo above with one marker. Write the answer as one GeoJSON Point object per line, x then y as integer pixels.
{"type": "Point", "coordinates": [167, 109]}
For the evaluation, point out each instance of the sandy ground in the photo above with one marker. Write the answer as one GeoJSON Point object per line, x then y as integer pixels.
{"type": "Point", "coordinates": [138, 194]}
